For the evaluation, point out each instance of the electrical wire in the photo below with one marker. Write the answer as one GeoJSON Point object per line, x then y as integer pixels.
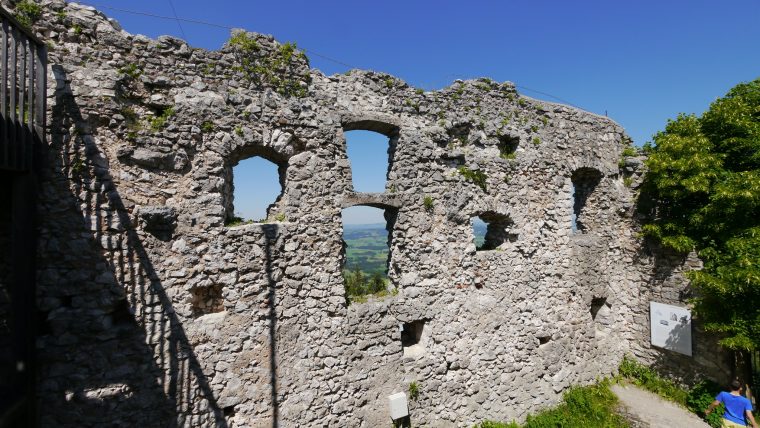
{"type": "Point", "coordinates": [152, 15]}
{"type": "Point", "coordinates": [309, 51]}
{"type": "Point", "coordinates": [210, 24]}
{"type": "Point", "coordinates": [179, 24]}
{"type": "Point", "coordinates": [548, 95]}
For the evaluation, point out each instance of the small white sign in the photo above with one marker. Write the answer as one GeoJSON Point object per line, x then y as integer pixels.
{"type": "Point", "coordinates": [670, 327]}
{"type": "Point", "coordinates": [398, 406]}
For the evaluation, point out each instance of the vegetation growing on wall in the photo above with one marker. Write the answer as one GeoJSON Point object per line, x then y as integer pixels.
{"type": "Point", "coordinates": [130, 71]}
{"type": "Point", "coordinates": [702, 193]}
{"type": "Point", "coordinates": [508, 147]}
{"type": "Point", "coordinates": [595, 405]}
{"type": "Point", "coordinates": [695, 399]}
{"type": "Point", "coordinates": [428, 203]}
{"type": "Point", "coordinates": [476, 177]}
{"type": "Point", "coordinates": [27, 13]}
{"type": "Point", "coordinates": [270, 68]}
{"type": "Point", "coordinates": [581, 407]}
{"type": "Point", "coordinates": [414, 391]}
{"type": "Point", "coordinates": [159, 122]}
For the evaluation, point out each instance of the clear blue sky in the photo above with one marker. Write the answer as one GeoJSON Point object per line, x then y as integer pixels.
{"type": "Point", "coordinates": [257, 181]}
{"type": "Point", "coordinates": [641, 62]}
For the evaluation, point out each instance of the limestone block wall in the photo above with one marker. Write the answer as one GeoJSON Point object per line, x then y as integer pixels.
{"type": "Point", "coordinates": [157, 314]}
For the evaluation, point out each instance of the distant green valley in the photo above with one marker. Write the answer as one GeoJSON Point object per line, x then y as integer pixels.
{"type": "Point", "coordinates": [367, 246]}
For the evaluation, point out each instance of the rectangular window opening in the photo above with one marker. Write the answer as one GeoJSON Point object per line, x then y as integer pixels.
{"type": "Point", "coordinates": [207, 300]}
{"type": "Point", "coordinates": [367, 233]}
{"type": "Point", "coordinates": [412, 338]}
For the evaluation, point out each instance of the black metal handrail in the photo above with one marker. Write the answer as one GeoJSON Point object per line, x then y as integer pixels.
{"type": "Point", "coordinates": [23, 82]}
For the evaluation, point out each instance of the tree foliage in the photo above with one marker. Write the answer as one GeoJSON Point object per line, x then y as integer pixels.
{"type": "Point", "coordinates": [359, 283]}
{"type": "Point", "coordinates": [703, 193]}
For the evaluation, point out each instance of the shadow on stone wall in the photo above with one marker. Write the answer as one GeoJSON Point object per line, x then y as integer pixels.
{"type": "Point", "coordinates": [667, 284]}
{"type": "Point", "coordinates": [133, 365]}
{"type": "Point", "coordinates": [270, 233]}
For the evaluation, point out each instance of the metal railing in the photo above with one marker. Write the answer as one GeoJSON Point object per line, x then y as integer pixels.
{"type": "Point", "coordinates": [23, 81]}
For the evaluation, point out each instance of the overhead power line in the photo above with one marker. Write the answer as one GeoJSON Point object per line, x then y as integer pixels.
{"type": "Point", "coordinates": [152, 15]}
{"type": "Point", "coordinates": [179, 24]}
{"type": "Point", "coordinates": [548, 95]}
{"type": "Point", "coordinates": [309, 51]}
{"type": "Point", "coordinates": [210, 24]}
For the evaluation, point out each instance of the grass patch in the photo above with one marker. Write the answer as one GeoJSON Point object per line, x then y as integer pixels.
{"type": "Point", "coordinates": [237, 221]}
{"type": "Point", "coordinates": [581, 407]}
{"type": "Point", "coordinates": [695, 399]}
{"type": "Point", "coordinates": [629, 152]}
{"type": "Point", "coordinates": [427, 201]}
{"type": "Point", "coordinates": [159, 122]}
{"type": "Point", "coordinates": [494, 424]}
{"type": "Point", "coordinates": [131, 71]}
{"type": "Point", "coordinates": [27, 13]}
{"type": "Point", "coordinates": [645, 377]}
{"type": "Point", "coordinates": [207, 127]}
{"type": "Point", "coordinates": [414, 391]}
{"type": "Point", "coordinates": [476, 177]}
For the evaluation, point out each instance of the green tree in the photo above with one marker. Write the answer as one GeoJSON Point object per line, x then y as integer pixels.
{"type": "Point", "coordinates": [702, 191]}
{"type": "Point", "coordinates": [359, 284]}
{"type": "Point", "coordinates": [355, 282]}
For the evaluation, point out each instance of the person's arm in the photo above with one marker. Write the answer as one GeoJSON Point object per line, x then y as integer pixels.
{"type": "Point", "coordinates": [751, 418]}
{"type": "Point", "coordinates": [712, 406]}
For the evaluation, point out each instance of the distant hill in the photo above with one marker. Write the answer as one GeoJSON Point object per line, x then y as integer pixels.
{"type": "Point", "coordinates": [364, 226]}
{"type": "Point", "coordinates": [367, 245]}
{"type": "Point", "coordinates": [480, 232]}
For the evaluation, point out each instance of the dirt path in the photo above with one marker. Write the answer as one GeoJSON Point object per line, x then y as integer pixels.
{"type": "Point", "coordinates": [645, 409]}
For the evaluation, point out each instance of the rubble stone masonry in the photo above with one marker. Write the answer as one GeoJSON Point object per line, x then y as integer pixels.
{"type": "Point", "coordinates": [155, 313]}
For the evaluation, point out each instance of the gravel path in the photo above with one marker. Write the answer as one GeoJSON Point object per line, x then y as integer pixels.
{"type": "Point", "coordinates": [645, 409]}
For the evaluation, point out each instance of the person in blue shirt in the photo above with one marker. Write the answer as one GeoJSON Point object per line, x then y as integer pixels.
{"type": "Point", "coordinates": [737, 407]}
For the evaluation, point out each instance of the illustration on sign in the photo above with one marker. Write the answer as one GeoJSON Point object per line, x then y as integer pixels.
{"type": "Point", "coordinates": [671, 327]}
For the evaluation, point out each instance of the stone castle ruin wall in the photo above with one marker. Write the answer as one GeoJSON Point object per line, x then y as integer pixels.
{"type": "Point", "coordinates": [154, 313]}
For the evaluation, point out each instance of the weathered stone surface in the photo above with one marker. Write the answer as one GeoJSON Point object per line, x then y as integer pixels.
{"type": "Point", "coordinates": [159, 315]}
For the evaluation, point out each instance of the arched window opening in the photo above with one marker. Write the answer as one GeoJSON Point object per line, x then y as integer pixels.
{"type": "Point", "coordinates": [369, 154]}
{"type": "Point", "coordinates": [492, 231]}
{"type": "Point", "coordinates": [255, 188]}
{"type": "Point", "coordinates": [584, 181]}
{"type": "Point", "coordinates": [366, 243]}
